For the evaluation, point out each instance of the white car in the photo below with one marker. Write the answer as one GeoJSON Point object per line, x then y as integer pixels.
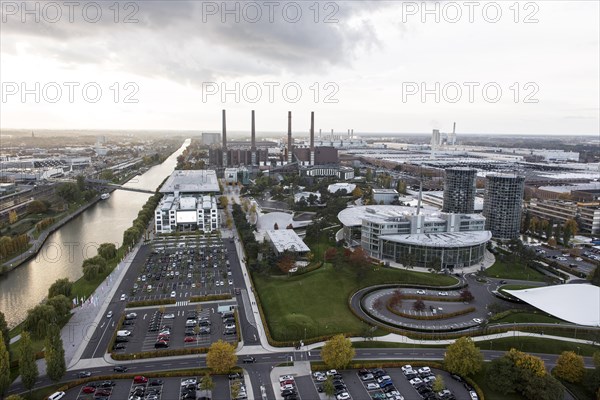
{"type": "Point", "coordinates": [287, 387]}
{"type": "Point", "coordinates": [442, 293]}
{"type": "Point", "coordinates": [343, 396]}
{"type": "Point", "coordinates": [372, 386]}
{"type": "Point", "coordinates": [331, 372]}
{"type": "Point", "coordinates": [406, 368]}
{"type": "Point", "coordinates": [429, 379]}
{"type": "Point", "coordinates": [384, 378]}
{"type": "Point", "coordinates": [230, 326]}
{"type": "Point", "coordinates": [473, 395]}
{"type": "Point", "coordinates": [123, 333]}
{"type": "Point", "coordinates": [477, 320]}
{"type": "Point", "coordinates": [173, 294]}
{"type": "Point", "coordinates": [123, 297]}
{"type": "Point", "coordinates": [230, 282]}
{"type": "Point", "coordinates": [190, 381]}
{"type": "Point", "coordinates": [109, 314]}
{"type": "Point", "coordinates": [168, 316]}
{"type": "Point", "coordinates": [392, 394]}
{"type": "Point", "coordinates": [579, 259]}
{"type": "Point", "coordinates": [283, 378]}
{"type": "Point", "coordinates": [367, 377]}
{"type": "Point", "coordinates": [320, 378]}
{"type": "Point", "coordinates": [424, 370]}
{"type": "Point", "coordinates": [415, 381]}
{"type": "Point", "coordinates": [420, 291]}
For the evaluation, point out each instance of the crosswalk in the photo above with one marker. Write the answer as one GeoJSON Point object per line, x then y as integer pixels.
{"type": "Point", "coordinates": [182, 303]}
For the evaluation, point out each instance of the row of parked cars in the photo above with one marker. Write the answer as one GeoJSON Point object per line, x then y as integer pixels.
{"type": "Point", "coordinates": [287, 385]}
{"type": "Point", "coordinates": [341, 391]}
{"type": "Point", "coordinates": [378, 379]}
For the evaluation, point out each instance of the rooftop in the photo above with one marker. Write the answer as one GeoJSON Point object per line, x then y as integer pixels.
{"type": "Point", "coordinates": [442, 239]}
{"type": "Point", "coordinates": [353, 216]}
{"type": "Point", "coordinates": [576, 303]}
{"type": "Point", "coordinates": [202, 181]}
{"type": "Point", "coordinates": [287, 239]}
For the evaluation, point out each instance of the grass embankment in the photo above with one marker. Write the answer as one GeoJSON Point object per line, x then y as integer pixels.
{"type": "Point", "coordinates": [506, 270]}
{"type": "Point", "coordinates": [528, 344]}
{"type": "Point", "coordinates": [316, 303]}
{"type": "Point", "coordinates": [529, 317]}
{"type": "Point", "coordinates": [489, 394]}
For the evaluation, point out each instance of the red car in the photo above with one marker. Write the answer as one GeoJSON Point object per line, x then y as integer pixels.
{"type": "Point", "coordinates": [189, 339]}
{"type": "Point", "coordinates": [140, 379]}
{"type": "Point", "coordinates": [102, 393]}
{"type": "Point", "coordinates": [88, 389]}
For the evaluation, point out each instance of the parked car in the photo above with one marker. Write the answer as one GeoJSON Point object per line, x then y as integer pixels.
{"type": "Point", "coordinates": [88, 389]}
{"type": "Point", "coordinates": [140, 379]}
{"type": "Point", "coordinates": [372, 386]}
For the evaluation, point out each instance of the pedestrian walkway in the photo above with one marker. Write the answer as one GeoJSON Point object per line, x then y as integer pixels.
{"type": "Point", "coordinates": [80, 328]}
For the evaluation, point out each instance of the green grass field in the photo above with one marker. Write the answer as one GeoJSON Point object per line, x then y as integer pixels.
{"type": "Point", "coordinates": [316, 304]}
{"type": "Point", "coordinates": [526, 317]}
{"type": "Point", "coordinates": [505, 270]}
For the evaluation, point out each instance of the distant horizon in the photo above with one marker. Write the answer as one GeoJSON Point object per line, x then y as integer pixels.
{"type": "Point", "coordinates": [231, 133]}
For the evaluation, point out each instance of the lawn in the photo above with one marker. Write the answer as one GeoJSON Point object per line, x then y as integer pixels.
{"type": "Point", "coordinates": [316, 304]}
{"type": "Point", "coordinates": [528, 317]}
{"type": "Point", "coordinates": [505, 270]}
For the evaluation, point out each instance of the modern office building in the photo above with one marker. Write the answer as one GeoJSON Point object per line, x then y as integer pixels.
{"type": "Point", "coordinates": [385, 196]}
{"type": "Point", "coordinates": [189, 203]}
{"type": "Point", "coordinates": [502, 205]}
{"type": "Point", "coordinates": [399, 234]}
{"type": "Point", "coordinates": [459, 190]}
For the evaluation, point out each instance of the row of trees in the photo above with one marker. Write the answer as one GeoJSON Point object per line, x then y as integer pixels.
{"type": "Point", "coordinates": [13, 245]}
{"type": "Point", "coordinates": [549, 228]}
{"type": "Point", "coordinates": [146, 214]}
{"type": "Point", "coordinates": [43, 224]}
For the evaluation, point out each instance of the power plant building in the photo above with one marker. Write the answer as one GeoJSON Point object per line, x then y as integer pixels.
{"type": "Point", "coordinates": [502, 205]}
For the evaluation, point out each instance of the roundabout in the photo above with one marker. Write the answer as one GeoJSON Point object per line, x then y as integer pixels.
{"type": "Point", "coordinates": [418, 309]}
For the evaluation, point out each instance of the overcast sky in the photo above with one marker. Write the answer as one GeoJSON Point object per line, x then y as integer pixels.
{"type": "Point", "coordinates": [360, 65]}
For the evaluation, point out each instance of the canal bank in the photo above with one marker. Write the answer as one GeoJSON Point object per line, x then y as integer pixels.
{"type": "Point", "coordinates": [63, 252]}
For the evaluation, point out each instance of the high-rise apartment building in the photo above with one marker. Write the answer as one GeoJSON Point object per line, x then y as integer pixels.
{"type": "Point", "coordinates": [502, 205]}
{"type": "Point", "coordinates": [459, 190]}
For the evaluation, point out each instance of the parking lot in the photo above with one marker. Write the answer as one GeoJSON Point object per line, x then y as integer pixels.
{"type": "Point", "coordinates": [149, 389]}
{"type": "Point", "coordinates": [391, 384]}
{"type": "Point", "coordinates": [175, 328]}
{"type": "Point", "coordinates": [182, 267]}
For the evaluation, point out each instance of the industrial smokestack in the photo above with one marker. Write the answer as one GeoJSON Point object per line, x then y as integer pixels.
{"type": "Point", "coordinates": [320, 134]}
{"type": "Point", "coordinates": [312, 138]}
{"type": "Point", "coordinates": [253, 142]}
{"type": "Point", "coordinates": [289, 137]}
{"type": "Point", "coordinates": [352, 133]}
{"type": "Point", "coordinates": [454, 129]}
{"type": "Point", "coordinates": [224, 139]}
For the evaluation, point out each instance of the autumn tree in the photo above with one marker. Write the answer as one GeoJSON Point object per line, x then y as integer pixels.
{"type": "Point", "coordinates": [418, 305]}
{"type": "Point", "coordinates": [359, 258]}
{"type": "Point", "coordinates": [330, 254]}
{"type": "Point", "coordinates": [286, 262]}
{"type": "Point", "coordinates": [527, 362]}
{"type": "Point", "coordinates": [466, 296]}
{"type": "Point", "coordinates": [463, 357]}
{"type": "Point", "coordinates": [221, 357]}
{"type": "Point", "coordinates": [207, 382]}
{"type": "Point", "coordinates": [438, 384]}
{"type": "Point", "coordinates": [569, 367]}
{"type": "Point", "coordinates": [4, 329]}
{"type": "Point", "coordinates": [328, 387]}
{"type": "Point", "coordinates": [337, 352]}
{"type": "Point", "coordinates": [4, 366]}
{"type": "Point", "coordinates": [27, 367]}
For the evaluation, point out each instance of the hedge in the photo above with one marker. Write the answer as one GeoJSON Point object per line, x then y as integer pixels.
{"type": "Point", "coordinates": [210, 297]}
{"type": "Point", "coordinates": [430, 317]}
{"type": "Point", "coordinates": [145, 303]}
{"type": "Point", "coordinates": [160, 353]}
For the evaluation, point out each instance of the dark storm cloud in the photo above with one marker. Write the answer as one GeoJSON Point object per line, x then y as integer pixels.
{"type": "Point", "coordinates": [188, 42]}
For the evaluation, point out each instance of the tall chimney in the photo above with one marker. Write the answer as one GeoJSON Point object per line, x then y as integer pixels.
{"type": "Point", "coordinates": [289, 137]}
{"type": "Point", "coordinates": [312, 138]}
{"type": "Point", "coordinates": [224, 140]}
{"type": "Point", "coordinates": [352, 133]}
{"type": "Point", "coordinates": [253, 142]}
